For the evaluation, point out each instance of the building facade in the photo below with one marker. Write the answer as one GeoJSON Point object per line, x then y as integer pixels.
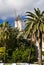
{"type": "Point", "coordinates": [18, 23]}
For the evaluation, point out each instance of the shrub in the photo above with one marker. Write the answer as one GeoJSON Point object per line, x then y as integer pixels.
{"type": "Point", "coordinates": [22, 54]}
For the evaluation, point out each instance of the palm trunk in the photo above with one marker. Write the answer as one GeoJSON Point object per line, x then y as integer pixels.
{"type": "Point", "coordinates": [40, 49]}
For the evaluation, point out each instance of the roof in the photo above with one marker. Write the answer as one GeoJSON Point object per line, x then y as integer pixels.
{"type": "Point", "coordinates": [18, 18]}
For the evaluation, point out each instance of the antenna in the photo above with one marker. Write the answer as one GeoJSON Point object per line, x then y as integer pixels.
{"type": "Point", "coordinates": [15, 16]}
{"type": "Point", "coordinates": [15, 13]}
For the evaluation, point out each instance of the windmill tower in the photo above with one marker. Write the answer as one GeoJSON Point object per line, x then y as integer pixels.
{"type": "Point", "coordinates": [18, 23]}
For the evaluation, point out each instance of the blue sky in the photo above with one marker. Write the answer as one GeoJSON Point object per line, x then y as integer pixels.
{"type": "Point", "coordinates": [10, 9]}
{"type": "Point", "coordinates": [11, 20]}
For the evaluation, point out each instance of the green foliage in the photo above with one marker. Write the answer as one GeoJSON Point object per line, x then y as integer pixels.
{"type": "Point", "coordinates": [2, 49]}
{"type": "Point", "coordinates": [34, 22]}
{"type": "Point", "coordinates": [42, 52]}
{"type": "Point", "coordinates": [7, 39]}
{"type": "Point", "coordinates": [22, 54]}
{"type": "Point", "coordinates": [1, 56]}
{"type": "Point", "coordinates": [17, 49]}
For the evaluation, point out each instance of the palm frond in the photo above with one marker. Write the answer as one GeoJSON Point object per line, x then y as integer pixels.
{"type": "Point", "coordinates": [37, 12]}
{"type": "Point", "coordinates": [31, 19]}
{"type": "Point", "coordinates": [31, 14]}
{"type": "Point", "coordinates": [35, 22]}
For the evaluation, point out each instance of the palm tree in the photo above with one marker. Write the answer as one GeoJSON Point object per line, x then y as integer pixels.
{"type": "Point", "coordinates": [4, 34]}
{"type": "Point", "coordinates": [35, 28]}
{"type": "Point", "coordinates": [8, 37]}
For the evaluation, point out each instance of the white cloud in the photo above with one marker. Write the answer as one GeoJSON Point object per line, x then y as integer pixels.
{"type": "Point", "coordinates": [10, 7]}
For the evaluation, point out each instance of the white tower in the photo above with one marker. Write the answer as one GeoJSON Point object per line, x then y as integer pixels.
{"type": "Point", "coordinates": [18, 23]}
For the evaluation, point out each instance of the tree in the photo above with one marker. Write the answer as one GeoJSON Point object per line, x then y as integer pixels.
{"type": "Point", "coordinates": [22, 53]}
{"type": "Point", "coordinates": [35, 28]}
{"type": "Point", "coordinates": [4, 35]}
{"type": "Point", "coordinates": [8, 38]}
